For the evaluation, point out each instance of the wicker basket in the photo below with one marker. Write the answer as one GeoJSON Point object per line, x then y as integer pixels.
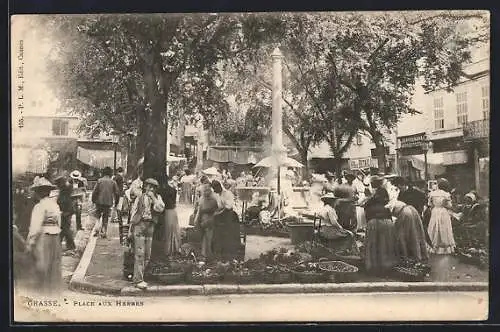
{"type": "Point", "coordinates": [240, 278]}
{"type": "Point", "coordinates": [170, 278]}
{"type": "Point", "coordinates": [408, 274]}
{"type": "Point", "coordinates": [309, 277]}
{"type": "Point", "coordinates": [341, 271]}
{"type": "Point", "coordinates": [352, 260]}
{"type": "Point", "coordinates": [275, 277]}
{"type": "Point", "coordinates": [204, 280]}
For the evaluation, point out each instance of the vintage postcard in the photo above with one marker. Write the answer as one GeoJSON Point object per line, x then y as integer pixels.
{"type": "Point", "coordinates": [250, 167]}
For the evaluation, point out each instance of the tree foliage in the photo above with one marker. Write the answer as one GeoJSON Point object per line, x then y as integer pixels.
{"type": "Point", "coordinates": [350, 72]}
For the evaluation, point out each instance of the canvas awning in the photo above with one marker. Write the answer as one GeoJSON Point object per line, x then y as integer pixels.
{"type": "Point", "coordinates": [98, 158]}
{"type": "Point", "coordinates": [437, 161]}
{"type": "Point", "coordinates": [236, 156]}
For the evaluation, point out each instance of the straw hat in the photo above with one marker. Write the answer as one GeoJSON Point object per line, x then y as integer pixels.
{"type": "Point", "coordinates": [152, 181]}
{"type": "Point", "coordinates": [42, 183]}
{"type": "Point", "coordinates": [329, 196]}
{"type": "Point", "coordinates": [210, 171]}
{"type": "Point", "coordinates": [75, 175]}
{"type": "Point", "coordinates": [349, 176]}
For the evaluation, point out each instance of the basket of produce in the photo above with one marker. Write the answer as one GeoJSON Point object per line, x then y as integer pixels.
{"type": "Point", "coordinates": [342, 271]}
{"type": "Point", "coordinates": [308, 273]}
{"type": "Point", "coordinates": [172, 272]}
{"type": "Point", "coordinates": [411, 270]}
{"type": "Point", "coordinates": [204, 277]}
{"type": "Point", "coordinates": [474, 256]}
{"type": "Point", "coordinates": [244, 276]}
{"type": "Point", "coordinates": [275, 275]}
{"type": "Point", "coordinates": [408, 274]}
{"type": "Point", "coordinates": [170, 278]}
{"type": "Point", "coordinates": [349, 257]}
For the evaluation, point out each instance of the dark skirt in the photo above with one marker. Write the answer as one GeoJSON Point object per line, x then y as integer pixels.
{"type": "Point", "coordinates": [172, 233]}
{"type": "Point", "coordinates": [380, 245]}
{"type": "Point", "coordinates": [47, 265]}
{"type": "Point", "coordinates": [226, 241]}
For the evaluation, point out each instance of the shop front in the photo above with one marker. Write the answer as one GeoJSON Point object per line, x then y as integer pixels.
{"type": "Point", "coordinates": [476, 139]}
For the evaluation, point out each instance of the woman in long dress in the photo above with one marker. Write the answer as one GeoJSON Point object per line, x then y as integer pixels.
{"type": "Point", "coordinates": [380, 241]}
{"type": "Point", "coordinates": [172, 233]}
{"type": "Point", "coordinates": [227, 226]}
{"type": "Point", "coordinates": [410, 234]}
{"type": "Point", "coordinates": [440, 229]}
{"type": "Point", "coordinates": [204, 219]}
{"type": "Point", "coordinates": [43, 241]}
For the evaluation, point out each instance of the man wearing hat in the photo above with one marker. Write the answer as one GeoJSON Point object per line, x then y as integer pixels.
{"type": "Point", "coordinates": [143, 221]}
{"type": "Point", "coordinates": [67, 207]}
{"type": "Point", "coordinates": [79, 191]}
{"type": "Point", "coordinates": [105, 193]}
{"type": "Point", "coordinates": [409, 194]}
{"type": "Point", "coordinates": [43, 242]}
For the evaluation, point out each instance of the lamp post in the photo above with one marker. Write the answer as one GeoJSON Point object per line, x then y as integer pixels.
{"type": "Point", "coordinates": [426, 146]}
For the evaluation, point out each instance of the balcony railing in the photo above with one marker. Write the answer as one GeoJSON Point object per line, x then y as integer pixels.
{"type": "Point", "coordinates": [474, 130]}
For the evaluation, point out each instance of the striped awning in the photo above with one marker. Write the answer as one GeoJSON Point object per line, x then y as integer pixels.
{"type": "Point", "coordinates": [98, 158]}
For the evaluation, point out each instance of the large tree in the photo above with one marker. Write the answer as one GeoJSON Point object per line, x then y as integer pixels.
{"type": "Point", "coordinates": [352, 72]}
{"type": "Point", "coordinates": [132, 73]}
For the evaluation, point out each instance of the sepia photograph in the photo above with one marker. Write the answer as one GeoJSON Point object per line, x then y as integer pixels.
{"type": "Point", "coordinates": [250, 167]}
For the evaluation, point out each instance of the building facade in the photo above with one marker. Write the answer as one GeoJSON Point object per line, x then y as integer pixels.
{"type": "Point", "coordinates": [361, 155]}
{"type": "Point", "coordinates": [450, 138]}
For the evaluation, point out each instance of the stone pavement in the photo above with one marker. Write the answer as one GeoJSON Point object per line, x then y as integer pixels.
{"type": "Point", "coordinates": [103, 274]}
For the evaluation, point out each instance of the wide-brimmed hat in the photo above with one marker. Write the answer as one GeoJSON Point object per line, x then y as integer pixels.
{"type": "Point", "coordinates": [376, 178]}
{"type": "Point", "coordinates": [349, 176]}
{"type": "Point", "coordinates": [329, 196]}
{"type": "Point", "coordinates": [42, 183]}
{"type": "Point", "coordinates": [75, 174]}
{"type": "Point", "coordinates": [152, 181]}
{"type": "Point", "coordinates": [211, 171]}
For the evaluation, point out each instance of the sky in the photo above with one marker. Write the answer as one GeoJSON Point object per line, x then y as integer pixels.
{"type": "Point", "coordinates": [38, 98]}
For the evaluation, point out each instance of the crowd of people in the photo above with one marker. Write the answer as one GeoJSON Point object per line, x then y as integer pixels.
{"type": "Point", "coordinates": [399, 220]}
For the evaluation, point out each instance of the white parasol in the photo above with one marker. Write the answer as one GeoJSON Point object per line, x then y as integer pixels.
{"type": "Point", "coordinates": [211, 171]}
{"type": "Point", "coordinates": [273, 162]}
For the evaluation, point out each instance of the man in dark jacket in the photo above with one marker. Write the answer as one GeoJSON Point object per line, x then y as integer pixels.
{"type": "Point", "coordinates": [105, 193]}
{"type": "Point", "coordinates": [79, 192]}
{"type": "Point", "coordinates": [410, 194]}
{"type": "Point", "coordinates": [66, 205]}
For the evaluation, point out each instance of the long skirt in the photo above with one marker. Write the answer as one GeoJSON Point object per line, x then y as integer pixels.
{"type": "Point", "coordinates": [226, 235]}
{"type": "Point", "coordinates": [441, 232]}
{"type": "Point", "coordinates": [380, 245]}
{"type": "Point", "coordinates": [172, 233]}
{"type": "Point", "coordinates": [47, 254]}
{"type": "Point", "coordinates": [207, 235]}
{"type": "Point", "coordinates": [360, 216]}
{"type": "Point", "coordinates": [410, 236]}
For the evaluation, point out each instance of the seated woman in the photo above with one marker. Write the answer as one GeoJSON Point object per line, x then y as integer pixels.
{"type": "Point", "coordinates": [345, 207]}
{"type": "Point", "coordinates": [331, 232]}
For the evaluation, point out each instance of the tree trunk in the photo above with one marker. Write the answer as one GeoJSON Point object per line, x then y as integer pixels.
{"type": "Point", "coordinates": [380, 149]}
{"type": "Point", "coordinates": [338, 166]}
{"type": "Point", "coordinates": [303, 159]}
{"type": "Point", "coordinates": [131, 156]}
{"type": "Point", "coordinates": [155, 149]}
{"type": "Point", "coordinates": [140, 140]}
